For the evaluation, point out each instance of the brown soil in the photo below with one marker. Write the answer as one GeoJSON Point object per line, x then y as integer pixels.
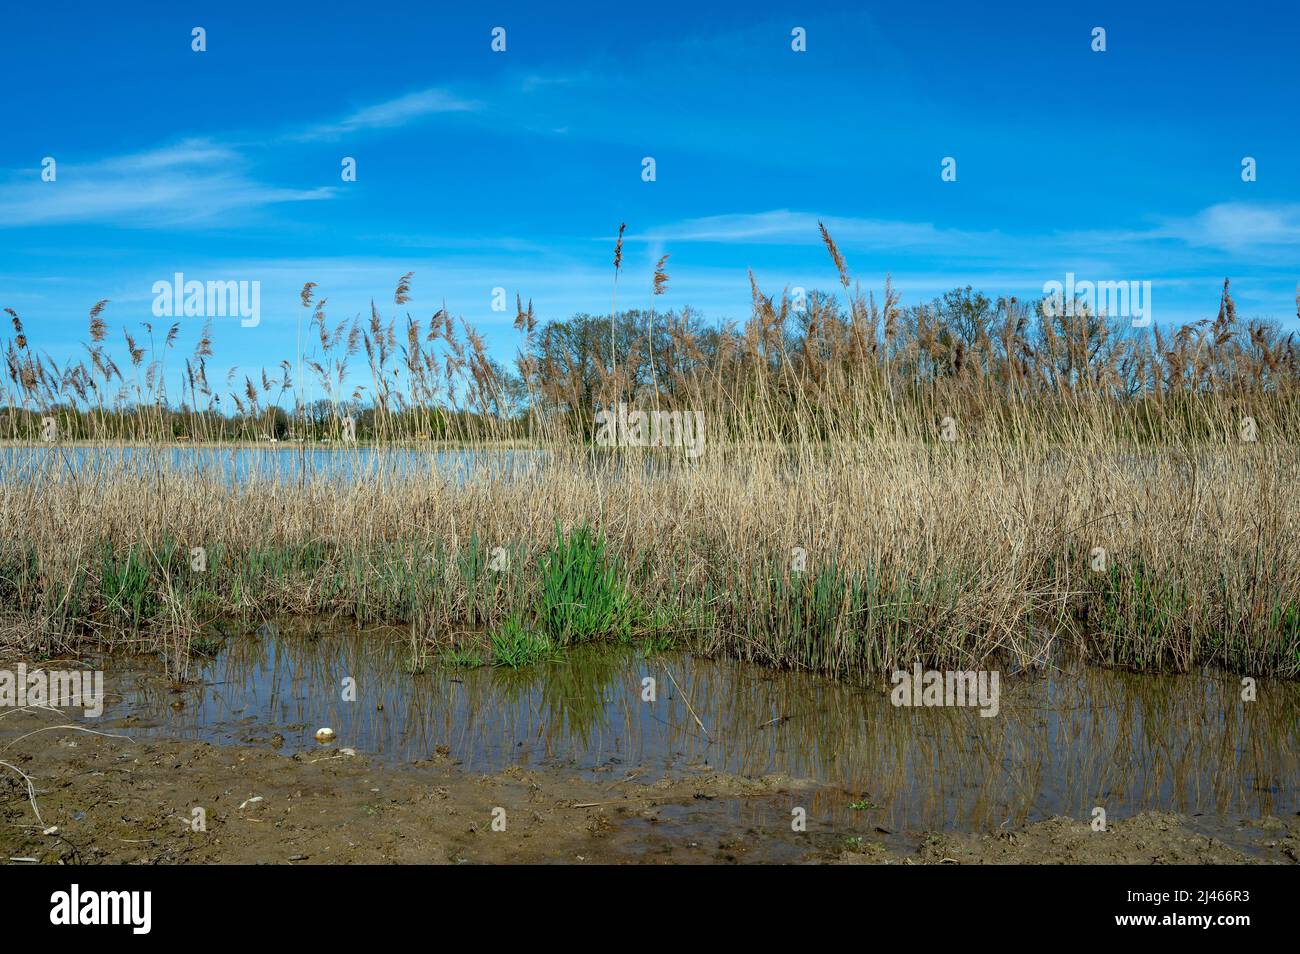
{"type": "Point", "coordinates": [114, 800]}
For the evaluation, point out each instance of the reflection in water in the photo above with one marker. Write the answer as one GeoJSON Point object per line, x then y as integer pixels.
{"type": "Point", "coordinates": [1060, 745]}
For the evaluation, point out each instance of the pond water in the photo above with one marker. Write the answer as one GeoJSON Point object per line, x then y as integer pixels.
{"type": "Point", "coordinates": [1062, 743]}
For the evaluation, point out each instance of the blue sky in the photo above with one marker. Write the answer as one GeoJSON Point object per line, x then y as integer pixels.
{"type": "Point", "coordinates": [479, 170]}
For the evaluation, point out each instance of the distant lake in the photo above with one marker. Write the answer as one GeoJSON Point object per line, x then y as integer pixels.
{"type": "Point", "coordinates": [286, 463]}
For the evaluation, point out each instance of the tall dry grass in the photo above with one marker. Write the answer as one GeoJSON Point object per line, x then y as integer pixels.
{"type": "Point", "coordinates": [945, 554]}
{"type": "Point", "coordinates": [880, 486]}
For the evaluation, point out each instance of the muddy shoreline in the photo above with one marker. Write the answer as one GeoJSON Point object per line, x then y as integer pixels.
{"type": "Point", "coordinates": [111, 799]}
{"type": "Point", "coordinates": [568, 762]}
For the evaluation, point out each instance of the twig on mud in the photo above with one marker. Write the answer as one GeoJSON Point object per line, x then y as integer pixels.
{"type": "Point", "coordinates": [79, 728]}
{"type": "Point", "coordinates": [623, 781]}
{"type": "Point", "coordinates": [615, 801]}
{"type": "Point", "coordinates": [30, 709]}
{"type": "Point", "coordinates": [664, 798]}
{"type": "Point", "coordinates": [31, 789]}
{"type": "Point", "coordinates": [75, 850]}
{"type": "Point", "coordinates": [332, 758]}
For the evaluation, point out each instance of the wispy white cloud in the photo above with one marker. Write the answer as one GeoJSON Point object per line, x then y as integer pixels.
{"type": "Point", "coordinates": [533, 82]}
{"type": "Point", "coordinates": [1236, 226]}
{"type": "Point", "coordinates": [1230, 226]}
{"type": "Point", "coordinates": [188, 153]}
{"type": "Point", "coordinates": [393, 113]}
{"type": "Point", "coordinates": [192, 182]}
{"type": "Point", "coordinates": [786, 227]}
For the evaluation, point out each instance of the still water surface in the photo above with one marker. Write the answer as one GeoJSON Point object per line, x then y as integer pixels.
{"type": "Point", "coordinates": [1062, 743]}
